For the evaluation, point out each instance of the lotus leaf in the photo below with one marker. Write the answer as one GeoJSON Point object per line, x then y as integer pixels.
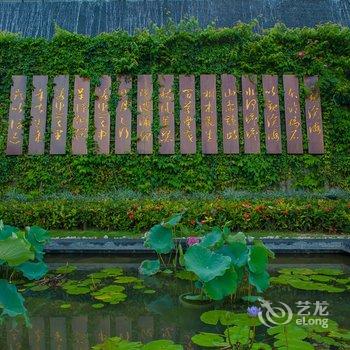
{"type": "Point", "coordinates": [15, 251]}
{"type": "Point", "coordinates": [149, 267]}
{"type": "Point", "coordinates": [257, 259]}
{"type": "Point", "coordinates": [38, 237]}
{"type": "Point", "coordinates": [117, 343]}
{"type": "Point", "coordinates": [205, 264]}
{"type": "Point", "coordinates": [238, 334]}
{"type": "Point", "coordinates": [65, 306]}
{"type": "Point", "coordinates": [6, 231]}
{"type": "Point", "coordinates": [259, 281]}
{"type": "Point", "coordinates": [174, 220]}
{"type": "Point", "coordinates": [33, 270]}
{"type": "Point", "coordinates": [213, 238]}
{"type": "Point", "coordinates": [261, 346]}
{"type": "Point", "coordinates": [238, 252]}
{"type": "Point", "coordinates": [162, 345]}
{"type": "Point", "coordinates": [239, 237]}
{"type": "Point", "coordinates": [98, 306]}
{"type": "Point", "coordinates": [160, 238]}
{"type": "Point", "coordinates": [245, 320]}
{"type": "Point", "coordinates": [213, 317]}
{"type": "Point", "coordinates": [210, 340]}
{"type": "Point", "coordinates": [149, 291]}
{"type": "Point", "coordinates": [222, 286]}
{"type": "Point", "coordinates": [11, 302]}
{"type": "Point", "coordinates": [111, 294]}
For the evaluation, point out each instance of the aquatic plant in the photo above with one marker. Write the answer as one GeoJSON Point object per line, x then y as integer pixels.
{"type": "Point", "coordinates": [327, 280]}
{"type": "Point", "coordinates": [244, 331]}
{"type": "Point", "coordinates": [220, 261]}
{"type": "Point", "coordinates": [21, 255]}
{"type": "Point", "coordinates": [117, 343]}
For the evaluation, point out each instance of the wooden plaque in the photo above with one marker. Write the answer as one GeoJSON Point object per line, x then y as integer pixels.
{"type": "Point", "coordinates": [292, 114]}
{"type": "Point", "coordinates": [38, 115]}
{"type": "Point", "coordinates": [16, 115]}
{"type": "Point", "coordinates": [272, 118]}
{"type": "Point", "coordinates": [209, 114]}
{"type": "Point", "coordinates": [229, 114]}
{"type": "Point", "coordinates": [187, 114]}
{"type": "Point", "coordinates": [250, 114]}
{"type": "Point", "coordinates": [123, 117]}
{"type": "Point", "coordinates": [313, 114]}
{"type": "Point", "coordinates": [166, 115]}
{"type": "Point", "coordinates": [59, 115]}
{"type": "Point", "coordinates": [145, 114]}
{"type": "Point", "coordinates": [102, 116]}
{"type": "Point", "coordinates": [81, 115]}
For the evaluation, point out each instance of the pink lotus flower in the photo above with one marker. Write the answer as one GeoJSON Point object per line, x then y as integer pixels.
{"type": "Point", "coordinates": [192, 240]}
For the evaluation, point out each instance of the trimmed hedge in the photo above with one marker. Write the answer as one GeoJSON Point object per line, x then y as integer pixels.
{"type": "Point", "coordinates": [324, 51]}
{"type": "Point", "coordinates": [139, 215]}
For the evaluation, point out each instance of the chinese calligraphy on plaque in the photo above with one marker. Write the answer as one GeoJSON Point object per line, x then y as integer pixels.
{"type": "Point", "coordinates": [179, 105]}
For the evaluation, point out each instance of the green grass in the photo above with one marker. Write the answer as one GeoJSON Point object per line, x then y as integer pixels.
{"type": "Point", "coordinates": [128, 234]}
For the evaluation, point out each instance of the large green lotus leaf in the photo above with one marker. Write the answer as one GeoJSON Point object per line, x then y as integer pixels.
{"type": "Point", "coordinates": [33, 270]}
{"type": "Point", "coordinates": [117, 343]}
{"type": "Point", "coordinates": [38, 238]}
{"type": "Point", "coordinates": [238, 334]}
{"type": "Point", "coordinates": [11, 302]}
{"type": "Point", "coordinates": [149, 267]}
{"type": "Point", "coordinates": [6, 231]}
{"type": "Point", "coordinates": [160, 239]}
{"type": "Point", "coordinates": [210, 340]}
{"type": "Point", "coordinates": [257, 259]}
{"type": "Point", "coordinates": [162, 345]}
{"type": "Point", "coordinates": [15, 251]}
{"type": "Point", "coordinates": [239, 237]}
{"type": "Point", "coordinates": [222, 286]}
{"type": "Point", "coordinates": [205, 264]}
{"type": "Point", "coordinates": [293, 344]}
{"type": "Point", "coordinates": [213, 317]}
{"type": "Point", "coordinates": [261, 346]}
{"type": "Point", "coordinates": [260, 243]}
{"type": "Point", "coordinates": [238, 252]}
{"type": "Point", "coordinates": [259, 280]}
{"type": "Point", "coordinates": [213, 238]}
{"type": "Point", "coordinates": [288, 332]}
{"type": "Point", "coordinates": [174, 220]}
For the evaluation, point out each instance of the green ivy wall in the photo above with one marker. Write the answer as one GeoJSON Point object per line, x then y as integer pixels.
{"type": "Point", "coordinates": [323, 51]}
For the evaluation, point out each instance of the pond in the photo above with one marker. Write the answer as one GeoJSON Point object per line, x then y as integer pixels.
{"type": "Point", "coordinates": [152, 309]}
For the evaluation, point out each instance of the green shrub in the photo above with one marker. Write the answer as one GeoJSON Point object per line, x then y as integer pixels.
{"type": "Point", "coordinates": [141, 214]}
{"type": "Point", "coordinates": [324, 50]}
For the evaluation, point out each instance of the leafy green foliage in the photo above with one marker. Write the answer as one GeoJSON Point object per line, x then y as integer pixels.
{"type": "Point", "coordinates": [138, 215]}
{"type": "Point", "coordinates": [149, 267]}
{"type": "Point", "coordinates": [328, 280]}
{"type": "Point", "coordinates": [323, 50]}
{"type": "Point", "coordinates": [117, 343]}
{"type": "Point", "coordinates": [20, 252]}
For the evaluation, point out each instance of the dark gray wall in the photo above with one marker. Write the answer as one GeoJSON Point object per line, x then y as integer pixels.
{"type": "Point", "coordinates": [37, 18]}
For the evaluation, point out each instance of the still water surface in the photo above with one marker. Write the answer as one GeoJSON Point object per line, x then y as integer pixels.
{"type": "Point", "coordinates": [144, 317]}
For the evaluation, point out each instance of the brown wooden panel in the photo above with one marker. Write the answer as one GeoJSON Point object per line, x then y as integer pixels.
{"type": "Point", "coordinates": [16, 115]}
{"type": "Point", "coordinates": [59, 115]}
{"type": "Point", "coordinates": [272, 117]}
{"type": "Point", "coordinates": [102, 116]}
{"type": "Point", "coordinates": [145, 114]}
{"type": "Point", "coordinates": [292, 114]}
{"type": "Point", "coordinates": [80, 335]}
{"type": "Point", "coordinates": [313, 115]}
{"type": "Point", "coordinates": [209, 114]}
{"type": "Point", "coordinates": [250, 114]}
{"type": "Point", "coordinates": [187, 114]}
{"type": "Point", "coordinates": [166, 114]}
{"type": "Point", "coordinates": [123, 117]}
{"type": "Point", "coordinates": [81, 115]}
{"type": "Point", "coordinates": [229, 114]}
{"type": "Point", "coordinates": [38, 115]}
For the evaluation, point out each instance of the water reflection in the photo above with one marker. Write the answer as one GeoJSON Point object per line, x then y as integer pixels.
{"type": "Point", "coordinates": [142, 317]}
